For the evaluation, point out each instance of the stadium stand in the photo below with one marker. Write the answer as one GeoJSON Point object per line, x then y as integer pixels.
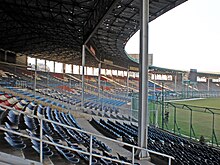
{"type": "Point", "coordinates": [189, 152]}
{"type": "Point", "coordinates": [38, 109]}
{"type": "Point", "coordinates": [184, 151]}
{"type": "Point", "coordinates": [55, 133]}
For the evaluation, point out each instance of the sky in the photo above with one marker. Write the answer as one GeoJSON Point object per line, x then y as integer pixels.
{"type": "Point", "coordinates": [187, 37]}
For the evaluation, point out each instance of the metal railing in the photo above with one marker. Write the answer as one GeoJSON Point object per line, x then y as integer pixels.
{"type": "Point", "coordinates": [90, 153]}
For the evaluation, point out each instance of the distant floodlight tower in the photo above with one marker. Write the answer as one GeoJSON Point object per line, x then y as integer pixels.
{"type": "Point", "coordinates": [189, 83]}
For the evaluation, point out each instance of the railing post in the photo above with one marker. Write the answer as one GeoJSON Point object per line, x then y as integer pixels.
{"type": "Point", "coordinates": [35, 78]}
{"type": "Point", "coordinates": [162, 113]}
{"type": "Point", "coordinates": [156, 113]}
{"type": "Point", "coordinates": [41, 143]}
{"type": "Point", "coordinates": [127, 83]}
{"type": "Point", "coordinates": [83, 74]}
{"type": "Point", "coordinates": [190, 134]}
{"type": "Point", "coordinates": [169, 161]}
{"type": "Point", "coordinates": [131, 111]}
{"type": "Point", "coordinates": [99, 81]}
{"type": "Point", "coordinates": [213, 127]}
{"type": "Point", "coordinates": [174, 120]}
{"type": "Point", "coordinates": [132, 154]}
{"type": "Point", "coordinates": [90, 151]}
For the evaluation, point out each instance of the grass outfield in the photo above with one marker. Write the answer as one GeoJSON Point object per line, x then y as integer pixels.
{"type": "Point", "coordinates": [202, 120]}
{"type": "Point", "coordinates": [209, 102]}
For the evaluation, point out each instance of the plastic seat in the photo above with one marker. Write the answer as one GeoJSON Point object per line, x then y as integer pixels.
{"type": "Point", "coordinates": [40, 111]}
{"type": "Point", "coordinates": [17, 144]}
{"type": "Point", "coordinates": [30, 108]}
{"type": "Point", "coordinates": [19, 105]}
{"type": "Point", "coordinates": [46, 150]}
{"type": "Point", "coordinates": [12, 136]}
{"type": "Point", "coordinates": [69, 156]}
{"type": "Point", "coordinates": [75, 137]}
{"type": "Point", "coordinates": [46, 128]}
{"type": "Point", "coordinates": [14, 128]}
{"type": "Point", "coordinates": [30, 123]}
{"type": "Point", "coordinates": [13, 117]}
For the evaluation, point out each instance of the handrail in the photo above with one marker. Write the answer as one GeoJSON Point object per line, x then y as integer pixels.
{"type": "Point", "coordinates": [41, 140]}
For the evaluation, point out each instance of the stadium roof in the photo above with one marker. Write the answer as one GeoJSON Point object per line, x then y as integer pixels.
{"type": "Point", "coordinates": [160, 70]}
{"type": "Point", "coordinates": [56, 29]}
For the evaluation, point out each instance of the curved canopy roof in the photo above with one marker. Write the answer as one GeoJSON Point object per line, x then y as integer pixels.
{"type": "Point", "coordinates": [57, 29]}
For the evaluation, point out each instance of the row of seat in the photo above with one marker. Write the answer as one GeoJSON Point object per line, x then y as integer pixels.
{"type": "Point", "coordinates": [100, 107]}
{"type": "Point", "coordinates": [26, 93]}
{"type": "Point", "coordinates": [183, 150]}
{"type": "Point", "coordinates": [52, 132]}
{"type": "Point", "coordinates": [65, 100]}
{"type": "Point", "coordinates": [45, 78]}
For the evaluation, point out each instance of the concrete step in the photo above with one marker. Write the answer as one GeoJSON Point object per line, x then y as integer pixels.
{"type": "Point", "coordinates": [6, 159]}
{"type": "Point", "coordinates": [116, 147]}
{"type": "Point", "coordinates": [6, 148]}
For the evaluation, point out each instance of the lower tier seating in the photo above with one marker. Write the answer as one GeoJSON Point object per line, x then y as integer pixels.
{"type": "Point", "coordinates": [28, 125]}
{"type": "Point", "coordinates": [184, 151]}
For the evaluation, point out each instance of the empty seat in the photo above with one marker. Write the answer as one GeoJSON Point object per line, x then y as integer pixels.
{"type": "Point", "coordinates": [17, 144]}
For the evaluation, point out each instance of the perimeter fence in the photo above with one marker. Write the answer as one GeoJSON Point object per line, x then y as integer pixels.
{"type": "Point", "coordinates": [183, 120]}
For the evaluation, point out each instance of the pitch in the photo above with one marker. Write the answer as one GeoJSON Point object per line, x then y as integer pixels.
{"type": "Point", "coordinates": [196, 117]}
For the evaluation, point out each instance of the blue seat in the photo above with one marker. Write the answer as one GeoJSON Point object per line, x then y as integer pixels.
{"type": "Point", "coordinates": [48, 101]}
{"type": "Point", "coordinates": [46, 128]}
{"type": "Point", "coordinates": [86, 158]}
{"type": "Point", "coordinates": [73, 120]}
{"type": "Point", "coordinates": [40, 111]}
{"type": "Point", "coordinates": [14, 128]}
{"type": "Point", "coordinates": [64, 152]}
{"type": "Point", "coordinates": [37, 143]}
{"type": "Point", "coordinates": [30, 108]}
{"type": "Point", "coordinates": [68, 155]}
{"type": "Point", "coordinates": [37, 97]}
{"type": "Point", "coordinates": [17, 144]}
{"type": "Point", "coordinates": [65, 119]}
{"type": "Point", "coordinates": [46, 151]}
{"type": "Point", "coordinates": [29, 121]}
{"type": "Point", "coordinates": [13, 117]}
{"type": "Point", "coordinates": [125, 159]}
{"type": "Point", "coordinates": [60, 131]}
{"type": "Point", "coordinates": [12, 136]}
{"type": "Point", "coordinates": [75, 137]}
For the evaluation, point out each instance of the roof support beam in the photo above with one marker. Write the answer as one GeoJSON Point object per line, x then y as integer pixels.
{"type": "Point", "coordinates": [83, 75]}
{"type": "Point", "coordinates": [143, 83]}
{"type": "Point", "coordinates": [101, 20]}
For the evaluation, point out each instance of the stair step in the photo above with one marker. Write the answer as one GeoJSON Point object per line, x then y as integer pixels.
{"type": "Point", "coordinates": [6, 159]}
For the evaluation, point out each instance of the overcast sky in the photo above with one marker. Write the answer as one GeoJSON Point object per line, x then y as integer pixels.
{"type": "Point", "coordinates": [187, 37]}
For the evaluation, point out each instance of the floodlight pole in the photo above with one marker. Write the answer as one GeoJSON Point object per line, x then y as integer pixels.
{"type": "Point", "coordinates": [83, 73]}
{"type": "Point", "coordinates": [45, 65]}
{"type": "Point", "coordinates": [208, 86]}
{"type": "Point", "coordinates": [5, 56]}
{"type": "Point", "coordinates": [156, 110]}
{"type": "Point", "coordinates": [71, 68]}
{"type": "Point", "coordinates": [127, 83]}
{"type": "Point", "coordinates": [35, 78]}
{"type": "Point", "coordinates": [175, 81]}
{"type": "Point", "coordinates": [99, 81]}
{"type": "Point", "coordinates": [143, 83]}
{"type": "Point", "coordinates": [54, 66]}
